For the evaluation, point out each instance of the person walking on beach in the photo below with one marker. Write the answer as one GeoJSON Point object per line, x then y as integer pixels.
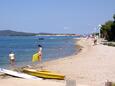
{"type": "Point", "coordinates": [95, 40]}
{"type": "Point", "coordinates": [12, 58]}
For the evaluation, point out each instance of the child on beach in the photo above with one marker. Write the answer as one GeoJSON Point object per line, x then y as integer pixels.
{"type": "Point", "coordinates": [12, 58]}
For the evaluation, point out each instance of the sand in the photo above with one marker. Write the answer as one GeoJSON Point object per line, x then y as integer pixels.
{"type": "Point", "coordinates": [93, 66]}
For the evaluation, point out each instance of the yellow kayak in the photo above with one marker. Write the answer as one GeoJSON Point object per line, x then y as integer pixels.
{"type": "Point", "coordinates": [43, 74]}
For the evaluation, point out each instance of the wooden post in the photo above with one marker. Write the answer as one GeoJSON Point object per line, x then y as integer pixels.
{"type": "Point", "coordinates": [70, 82]}
{"type": "Point", "coordinates": [108, 83]}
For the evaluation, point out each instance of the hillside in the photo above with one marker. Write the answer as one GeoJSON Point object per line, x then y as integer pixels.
{"type": "Point", "coordinates": [14, 33]}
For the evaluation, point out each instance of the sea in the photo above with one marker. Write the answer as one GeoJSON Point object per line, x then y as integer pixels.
{"type": "Point", "coordinates": [24, 47]}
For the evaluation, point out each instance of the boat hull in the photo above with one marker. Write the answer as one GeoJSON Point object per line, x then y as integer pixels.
{"type": "Point", "coordinates": [44, 74]}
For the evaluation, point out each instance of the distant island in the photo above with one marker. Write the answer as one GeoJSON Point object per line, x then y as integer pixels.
{"type": "Point", "coordinates": [15, 33]}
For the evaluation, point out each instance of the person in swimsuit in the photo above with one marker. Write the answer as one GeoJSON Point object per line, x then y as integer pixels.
{"type": "Point", "coordinates": [12, 58]}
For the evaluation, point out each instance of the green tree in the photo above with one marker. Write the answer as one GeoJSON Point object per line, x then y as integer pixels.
{"type": "Point", "coordinates": [113, 30]}
{"type": "Point", "coordinates": [114, 17]}
{"type": "Point", "coordinates": [106, 30]}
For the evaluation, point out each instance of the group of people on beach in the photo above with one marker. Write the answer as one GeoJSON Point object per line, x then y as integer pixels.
{"type": "Point", "coordinates": [95, 38]}
{"type": "Point", "coordinates": [12, 56]}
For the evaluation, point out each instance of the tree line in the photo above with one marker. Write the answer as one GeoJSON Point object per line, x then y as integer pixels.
{"type": "Point", "coordinates": [108, 30]}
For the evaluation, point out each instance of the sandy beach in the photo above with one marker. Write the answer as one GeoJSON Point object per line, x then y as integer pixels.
{"type": "Point", "coordinates": [92, 66]}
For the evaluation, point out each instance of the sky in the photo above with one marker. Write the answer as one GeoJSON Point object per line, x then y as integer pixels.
{"type": "Point", "coordinates": [55, 16]}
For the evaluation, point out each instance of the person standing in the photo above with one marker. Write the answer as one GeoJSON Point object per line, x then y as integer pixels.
{"type": "Point", "coordinates": [95, 40]}
{"type": "Point", "coordinates": [37, 56]}
{"type": "Point", "coordinates": [12, 58]}
{"type": "Point", "coordinates": [40, 53]}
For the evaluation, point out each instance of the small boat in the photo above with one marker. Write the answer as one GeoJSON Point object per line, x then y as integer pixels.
{"type": "Point", "coordinates": [19, 74]}
{"type": "Point", "coordinates": [41, 38]}
{"type": "Point", "coordinates": [44, 74]}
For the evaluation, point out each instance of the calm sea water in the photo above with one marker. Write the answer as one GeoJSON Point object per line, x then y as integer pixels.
{"type": "Point", "coordinates": [24, 47]}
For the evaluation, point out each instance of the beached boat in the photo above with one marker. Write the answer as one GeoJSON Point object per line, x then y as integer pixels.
{"type": "Point", "coordinates": [43, 74]}
{"type": "Point", "coordinates": [19, 74]}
